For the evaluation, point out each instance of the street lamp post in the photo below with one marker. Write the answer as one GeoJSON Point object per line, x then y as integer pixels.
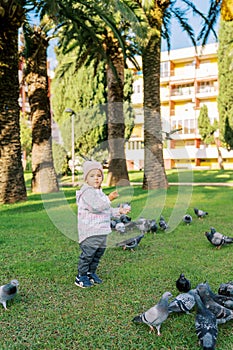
{"type": "Point", "coordinates": [73, 114]}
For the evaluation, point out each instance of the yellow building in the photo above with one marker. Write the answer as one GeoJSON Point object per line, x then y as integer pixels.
{"type": "Point", "coordinates": [188, 81]}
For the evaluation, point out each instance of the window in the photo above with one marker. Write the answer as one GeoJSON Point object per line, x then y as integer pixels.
{"type": "Point", "coordinates": [164, 69]}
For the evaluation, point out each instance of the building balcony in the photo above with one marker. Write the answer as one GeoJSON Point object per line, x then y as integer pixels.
{"type": "Point", "coordinates": [190, 75]}
{"type": "Point", "coordinates": [207, 91]}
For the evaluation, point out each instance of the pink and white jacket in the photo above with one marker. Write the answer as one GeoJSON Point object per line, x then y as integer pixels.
{"type": "Point", "coordinates": [94, 212]}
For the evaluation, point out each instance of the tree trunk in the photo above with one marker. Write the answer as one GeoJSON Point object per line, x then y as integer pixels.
{"type": "Point", "coordinates": [44, 179]}
{"type": "Point", "coordinates": [154, 170]}
{"type": "Point", "coordinates": [220, 159]}
{"type": "Point", "coordinates": [117, 172]}
{"type": "Point", "coordinates": [12, 184]}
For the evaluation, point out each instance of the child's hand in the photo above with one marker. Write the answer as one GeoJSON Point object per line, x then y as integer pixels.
{"type": "Point", "coordinates": [124, 210]}
{"type": "Point", "coordinates": [113, 195]}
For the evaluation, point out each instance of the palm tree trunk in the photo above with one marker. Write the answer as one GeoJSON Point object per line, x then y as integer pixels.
{"type": "Point", "coordinates": [117, 172]}
{"type": "Point", "coordinates": [154, 170]}
{"type": "Point", "coordinates": [44, 179]}
{"type": "Point", "coordinates": [12, 184]}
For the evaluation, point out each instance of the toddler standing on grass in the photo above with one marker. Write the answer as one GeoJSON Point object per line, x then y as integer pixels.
{"type": "Point", "coordinates": [94, 215]}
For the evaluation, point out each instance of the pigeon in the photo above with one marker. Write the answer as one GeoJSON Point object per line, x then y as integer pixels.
{"type": "Point", "coordinates": [125, 218]}
{"type": "Point", "coordinates": [120, 227]}
{"type": "Point", "coordinates": [114, 221]}
{"type": "Point", "coordinates": [217, 239]}
{"type": "Point", "coordinates": [206, 325]}
{"type": "Point", "coordinates": [8, 292]}
{"type": "Point", "coordinates": [143, 225]}
{"type": "Point", "coordinates": [131, 225]}
{"type": "Point", "coordinates": [200, 213]}
{"type": "Point", "coordinates": [183, 284]}
{"type": "Point", "coordinates": [162, 223]}
{"type": "Point", "coordinates": [222, 313]}
{"type": "Point", "coordinates": [226, 289]}
{"type": "Point", "coordinates": [153, 227]}
{"type": "Point", "coordinates": [183, 302]}
{"type": "Point", "coordinates": [130, 243]}
{"type": "Point", "coordinates": [168, 134]}
{"type": "Point", "coordinates": [156, 315]}
{"type": "Point", "coordinates": [187, 219]}
{"type": "Point", "coordinates": [223, 300]}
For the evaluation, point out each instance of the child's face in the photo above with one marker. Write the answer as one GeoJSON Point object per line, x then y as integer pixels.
{"type": "Point", "coordinates": [94, 178]}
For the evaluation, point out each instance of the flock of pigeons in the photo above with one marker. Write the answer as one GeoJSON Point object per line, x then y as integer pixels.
{"type": "Point", "coordinates": [124, 224]}
{"type": "Point", "coordinates": [211, 309]}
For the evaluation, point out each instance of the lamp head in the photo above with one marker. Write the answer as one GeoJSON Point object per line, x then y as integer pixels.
{"type": "Point", "coordinates": [69, 110]}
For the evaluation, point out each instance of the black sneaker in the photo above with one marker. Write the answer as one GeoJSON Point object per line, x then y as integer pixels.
{"type": "Point", "coordinates": [83, 282]}
{"type": "Point", "coordinates": [94, 278]}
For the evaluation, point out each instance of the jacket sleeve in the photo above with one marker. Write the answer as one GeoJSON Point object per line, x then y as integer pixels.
{"type": "Point", "coordinates": [115, 212]}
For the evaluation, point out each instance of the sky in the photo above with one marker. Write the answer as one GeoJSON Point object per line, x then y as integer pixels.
{"type": "Point", "coordinates": [178, 38]}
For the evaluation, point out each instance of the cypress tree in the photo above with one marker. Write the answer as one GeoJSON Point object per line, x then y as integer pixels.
{"type": "Point", "coordinates": [225, 68]}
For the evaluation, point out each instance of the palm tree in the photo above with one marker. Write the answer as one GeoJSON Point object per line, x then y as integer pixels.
{"type": "Point", "coordinates": [159, 14]}
{"type": "Point", "coordinates": [12, 15]}
{"type": "Point", "coordinates": [35, 52]}
{"type": "Point", "coordinates": [96, 41]}
{"type": "Point", "coordinates": [12, 184]}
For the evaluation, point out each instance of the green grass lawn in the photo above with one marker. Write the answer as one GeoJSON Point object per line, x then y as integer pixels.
{"type": "Point", "coordinates": [38, 248]}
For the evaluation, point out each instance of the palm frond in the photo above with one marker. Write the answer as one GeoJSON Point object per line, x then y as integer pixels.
{"type": "Point", "coordinates": [180, 16]}
{"type": "Point", "coordinates": [166, 28]}
{"type": "Point", "coordinates": [208, 27]}
{"type": "Point", "coordinates": [132, 13]}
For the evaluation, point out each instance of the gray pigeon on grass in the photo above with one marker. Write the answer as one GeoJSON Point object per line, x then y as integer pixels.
{"type": "Point", "coordinates": [220, 299]}
{"type": "Point", "coordinates": [206, 325]}
{"type": "Point", "coordinates": [200, 213]}
{"type": "Point", "coordinates": [130, 243]}
{"type": "Point", "coordinates": [163, 224]}
{"type": "Point", "coordinates": [8, 292]}
{"type": "Point", "coordinates": [217, 239]}
{"type": "Point", "coordinates": [183, 302]}
{"type": "Point", "coordinates": [222, 313]}
{"type": "Point", "coordinates": [226, 289]}
{"type": "Point", "coordinates": [156, 315]}
{"type": "Point", "coordinates": [187, 219]}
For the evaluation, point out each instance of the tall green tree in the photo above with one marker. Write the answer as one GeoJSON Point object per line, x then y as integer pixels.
{"type": "Point", "coordinates": [12, 184]}
{"type": "Point", "coordinates": [158, 15]}
{"type": "Point", "coordinates": [225, 73]}
{"type": "Point", "coordinates": [225, 9]}
{"type": "Point", "coordinates": [208, 132]}
{"type": "Point", "coordinates": [83, 91]}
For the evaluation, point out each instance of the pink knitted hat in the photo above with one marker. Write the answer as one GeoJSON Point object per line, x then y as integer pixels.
{"type": "Point", "coordinates": [91, 165]}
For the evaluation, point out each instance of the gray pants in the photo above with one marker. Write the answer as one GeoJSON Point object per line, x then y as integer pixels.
{"type": "Point", "coordinates": [93, 249]}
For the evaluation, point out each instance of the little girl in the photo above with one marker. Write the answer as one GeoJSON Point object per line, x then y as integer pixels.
{"type": "Point", "coordinates": [94, 215]}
